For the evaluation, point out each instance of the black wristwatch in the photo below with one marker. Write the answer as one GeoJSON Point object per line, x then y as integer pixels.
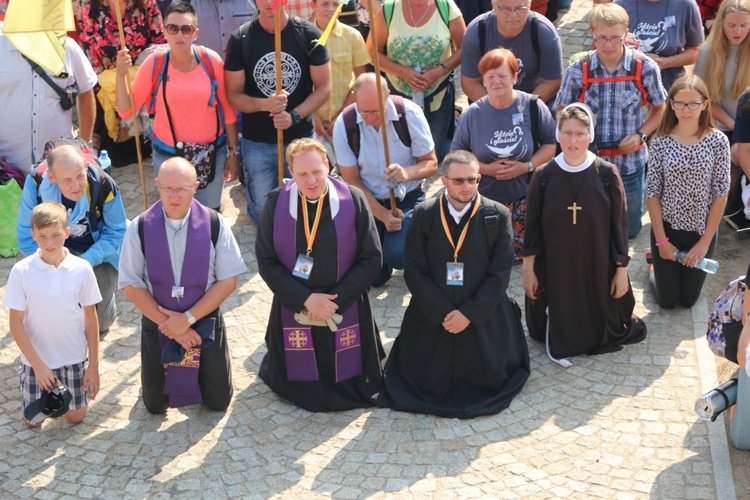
{"type": "Point", "coordinates": [643, 136]}
{"type": "Point", "coordinates": [296, 118]}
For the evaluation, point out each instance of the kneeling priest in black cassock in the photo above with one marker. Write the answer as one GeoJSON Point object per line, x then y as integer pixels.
{"type": "Point", "coordinates": [461, 351]}
{"type": "Point", "coordinates": [318, 251]}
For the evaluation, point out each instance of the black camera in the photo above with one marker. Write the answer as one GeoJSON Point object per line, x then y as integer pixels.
{"type": "Point", "coordinates": [68, 99]}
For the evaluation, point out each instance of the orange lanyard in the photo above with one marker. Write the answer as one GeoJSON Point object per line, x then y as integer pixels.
{"type": "Point", "coordinates": [310, 234]}
{"type": "Point", "coordinates": [462, 236]}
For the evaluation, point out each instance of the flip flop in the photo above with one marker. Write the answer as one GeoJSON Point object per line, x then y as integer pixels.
{"type": "Point", "coordinates": [52, 404]}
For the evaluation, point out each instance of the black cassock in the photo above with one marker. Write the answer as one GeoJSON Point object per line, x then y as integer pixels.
{"type": "Point", "coordinates": [325, 394]}
{"type": "Point", "coordinates": [575, 263]}
{"type": "Point", "coordinates": [479, 370]}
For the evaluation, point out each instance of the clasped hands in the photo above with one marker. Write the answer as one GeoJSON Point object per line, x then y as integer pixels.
{"type": "Point", "coordinates": [509, 169]}
{"type": "Point", "coordinates": [275, 105]}
{"type": "Point", "coordinates": [176, 327]}
{"type": "Point", "coordinates": [455, 322]}
{"type": "Point", "coordinates": [321, 306]}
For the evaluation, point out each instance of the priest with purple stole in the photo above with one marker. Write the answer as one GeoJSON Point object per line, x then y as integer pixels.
{"type": "Point", "coordinates": [318, 250]}
{"type": "Point", "coordinates": [179, 289]}
{"type": "Point", "coordinates": [461, 351]}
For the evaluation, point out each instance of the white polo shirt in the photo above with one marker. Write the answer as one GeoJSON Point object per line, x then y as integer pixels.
{"type": "Point", "coordinates": [50, 298]}
{"type": "Point", "coordinates": [30, 111]}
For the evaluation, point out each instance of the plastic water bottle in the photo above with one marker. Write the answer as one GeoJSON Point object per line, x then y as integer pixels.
{"type": "Point", "coordinates": [418, 97]}
{"type": "Point", "coordinates": [709, 266]}
{"type": "Point", "coordinates": [105, 161]}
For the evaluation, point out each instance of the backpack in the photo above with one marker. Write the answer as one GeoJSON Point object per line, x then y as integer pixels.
{"type": "Point", "coordinates": [725, 320]}
{"type": "Point", "coordinates": [442, 8]}
{"type": "Point", "coordinates": [215, 227]}
{"type": "Point", "coordinates": [101, 186]}
{"type": "Point", "coordinates": [534, 113]}
{"type": "Point", "coordinates": [11, 191]}
{"type": "Point", "coordinates": [159, 73]}
{"type": "Point", "coordinates": [482, 31]}
{"type": "Point", "coordinates": [352, 129]}
{"type": "Point", "coordinates": [635, 74]}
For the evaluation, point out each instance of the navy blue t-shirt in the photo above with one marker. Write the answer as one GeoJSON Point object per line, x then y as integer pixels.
{"type": "Point", "coordinates": [80, 238]}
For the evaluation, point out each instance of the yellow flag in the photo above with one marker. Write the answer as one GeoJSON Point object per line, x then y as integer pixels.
{"type": "Point", "coordinates": [37, 28]}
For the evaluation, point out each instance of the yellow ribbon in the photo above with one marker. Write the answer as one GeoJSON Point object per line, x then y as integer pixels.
{"type": "Point", "coordinates": [462, 236]}
{"type": "Point", "coordinates": [310, 234]}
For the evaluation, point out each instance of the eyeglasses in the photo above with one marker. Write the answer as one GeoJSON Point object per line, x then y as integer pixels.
{"type": "Point", "coordinates": [510, 10]}
{"type": "Point", "coordinates": [374, 112]}
{"type": "Point", "coordinates": [692, 106]}
{"type": "Point", "coordinates": [611, 39]}
{"type": "Point", "coordinates": [175, 191]}
{"type": "Point", "coordinates": [574, 135]}
{"type": "Point", "coordinates": [459, 181]}
{"type": "Point", "coordinates": [185, 29]}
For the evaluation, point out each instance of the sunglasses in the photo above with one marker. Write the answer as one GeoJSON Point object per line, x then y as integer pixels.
{"type": "Point", "coordinates": [459, 181]}
{"type": "Point", "coordinates": [186, 29]}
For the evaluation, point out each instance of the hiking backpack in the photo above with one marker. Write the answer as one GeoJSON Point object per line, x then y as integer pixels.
{"type": "Point", "coordinates": [352, 129]}
{"type": "Point", "coordinates": [635, 75]}
{"type": "Point", "coordinates": [442, 8]}
{"type": "Point", "coordinates": [159, 73]}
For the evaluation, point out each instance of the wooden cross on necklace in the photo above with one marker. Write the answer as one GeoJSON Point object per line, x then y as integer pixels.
{"type": "Point", "coordinates": [575, 208]}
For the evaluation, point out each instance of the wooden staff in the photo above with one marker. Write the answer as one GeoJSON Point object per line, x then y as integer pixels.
{"type": "Point", "coordinates": [279, 90]}
{"type": "Point", "coordinates": [381, 104]}
{"type": "Point", "coordinates": [132, 108]}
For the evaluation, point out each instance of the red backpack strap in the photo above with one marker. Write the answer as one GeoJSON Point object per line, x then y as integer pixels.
{"type": "Point", "coordinates": [205, 60]}
{"type": "Point", "coordinates": [586, 76]}
{"type": "Point", "coordinates": [637, 71]}
{"type": "Point", "coordinates": [157, 74]}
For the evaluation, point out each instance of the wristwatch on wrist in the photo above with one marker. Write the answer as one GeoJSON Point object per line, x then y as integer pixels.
{"type": "Point", "coordinates": [643, 136]}
{"type": "Point", "coordinates": [233, 151]}
{"type": "Point", "coordinates": [190, 317]}
{"type": "Point", "coordinates": [296, 118]}
{"type": "Point", "coordinates": [531, 167]}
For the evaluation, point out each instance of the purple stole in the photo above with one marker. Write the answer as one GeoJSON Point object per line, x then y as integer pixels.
{"type": "Point", "coordinates": [181, 379]}
{"type": "Point", "coordinates": [299, 352]}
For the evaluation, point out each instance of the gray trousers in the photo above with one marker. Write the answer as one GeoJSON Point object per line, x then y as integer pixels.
{"type": "Point", "coordinates": [106, 278]}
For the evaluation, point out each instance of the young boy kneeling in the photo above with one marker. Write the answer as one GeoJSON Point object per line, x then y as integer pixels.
{"type": "Point", "coordinates": [52, 296]}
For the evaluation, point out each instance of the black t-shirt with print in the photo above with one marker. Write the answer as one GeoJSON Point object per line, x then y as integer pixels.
{"type": "Point", "coordinates": [260, 72]}
{"type": "Point", "coordinates": [80, 239]}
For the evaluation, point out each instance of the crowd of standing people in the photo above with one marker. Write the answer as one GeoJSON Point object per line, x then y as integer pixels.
{"type": "Point", "coordinates": [552, 165]}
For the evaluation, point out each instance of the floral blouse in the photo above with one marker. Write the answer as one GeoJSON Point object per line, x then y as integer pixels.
{"type": "Point", "coordinates": [100, 38]}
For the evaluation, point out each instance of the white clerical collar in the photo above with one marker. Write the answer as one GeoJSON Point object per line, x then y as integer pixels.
{"type": "Point", "coordinates": [590, 157]}
{"type": "Point", "coordinates": [316, 200]}
{"type": "Point", "coordinates": [458, 214]}
{"type": "Point", "coordinates": [294, 199]}
{"type": "Point", "coordinates": [177, 224]}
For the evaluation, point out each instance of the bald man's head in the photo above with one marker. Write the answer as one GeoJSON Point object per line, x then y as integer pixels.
{"type": "Point", "coordinates": [179, 166]}
{"type": "Point", "coordinates": [177, 183]}
{"type": "Point", "coordinates": [66, 167]}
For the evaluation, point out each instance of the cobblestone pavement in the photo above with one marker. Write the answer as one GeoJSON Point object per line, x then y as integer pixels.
{"type": "Point", "coordinates": [619, 425]}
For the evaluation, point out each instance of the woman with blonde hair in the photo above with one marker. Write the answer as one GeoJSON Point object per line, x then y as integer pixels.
{"type": "Point", "coordinates": [724, 61]}
{"type": "Point", "coordinates": [686, 189]}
